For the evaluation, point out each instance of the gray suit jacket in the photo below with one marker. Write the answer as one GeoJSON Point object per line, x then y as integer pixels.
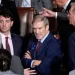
{"type": "Point", "coordinates": [37, 4]}
{"type": "Point", "coordinates": [16, 65]}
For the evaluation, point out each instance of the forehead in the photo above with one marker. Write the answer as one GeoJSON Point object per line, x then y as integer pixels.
{"type": "Point", "coordinates": [38, 24]}
{"type": "Point", "coordinates": [4, 18]}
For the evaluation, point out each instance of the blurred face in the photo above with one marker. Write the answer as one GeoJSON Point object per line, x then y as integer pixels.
{"type": "Point", "coordinates": [71, 16]}
{"type": "Point", "coordinates": [40, 30]}
{"type": "Point", "coordinates": [60, 3]}
{"type": "Point", "coordinates": [5, 24]}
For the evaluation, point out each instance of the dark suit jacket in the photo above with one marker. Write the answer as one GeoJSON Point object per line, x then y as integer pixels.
{"type": "Point", "coordinates": [10, 5]}
{"type": "Point", "coordinates": [65, 30]}
{"type": "Point", "coordinates": [72, 51]}
{"type": "Point", "coordinates": [37, 4]}
{"type": "Point", "coordinates": [49, 53]}
{"type": "Point", "coordinates": [17, 44]}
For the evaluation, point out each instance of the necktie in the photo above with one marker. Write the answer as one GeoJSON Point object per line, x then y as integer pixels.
{"type": "Point", "coordinates": [38, 45]}
{"type": "Point", "coordinates": [7, 44]}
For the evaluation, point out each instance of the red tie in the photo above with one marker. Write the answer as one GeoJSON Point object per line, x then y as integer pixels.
{"type": "Point", "coordinates": [38, 46]}
{"type": "Point", "coordinates": [7, 44]}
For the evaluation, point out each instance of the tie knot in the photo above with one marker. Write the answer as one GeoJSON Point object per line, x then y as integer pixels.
{"type": "Point", "coordinates": [6, 37]}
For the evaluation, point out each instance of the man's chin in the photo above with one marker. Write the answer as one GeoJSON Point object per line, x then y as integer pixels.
{"type": "Point", "coordinates": [38, 38]}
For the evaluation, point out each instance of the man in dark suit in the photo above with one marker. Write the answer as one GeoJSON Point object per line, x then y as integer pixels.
{"type": "Point", "coordinates": [10, 5]}
{"type": "Point", "coordinates": [44, 58]}
{"type": "Point", "coordinates": [71, 16]}
{"type": "Point", "coordinates": [36, 4]}
{"type": "Point", "coordinates": [14, 41]}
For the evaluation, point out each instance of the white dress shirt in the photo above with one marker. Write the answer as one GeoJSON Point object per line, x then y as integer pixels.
{"type": "Point", "coordinates": [0, 1]}
{"type": "Point", "coordinates": [9, 41]}
{"type": "Point", "coordinates": [26, 3]}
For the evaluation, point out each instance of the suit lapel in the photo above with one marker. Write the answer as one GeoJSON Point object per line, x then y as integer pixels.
{"type": "Point", "coordinates": [14, 44]}
{"type": "Point", "coordinates": [68, 7]}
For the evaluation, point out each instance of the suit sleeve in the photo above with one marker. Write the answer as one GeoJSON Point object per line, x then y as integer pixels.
{"type": "Point", "coordinates": [27, 62]}
{"type": "Point", "coordinates": [72, 51]}
{"type": "Point", "coordinates": [62, 15]}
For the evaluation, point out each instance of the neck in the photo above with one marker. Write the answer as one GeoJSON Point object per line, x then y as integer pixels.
{"type": "Point", "coordinates": [6, 34]}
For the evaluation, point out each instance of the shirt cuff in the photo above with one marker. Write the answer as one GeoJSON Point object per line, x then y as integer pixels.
{"type": "Point", "coordinates": [32, 64]}
{"type": "Point", "coordinates": [56, 15]}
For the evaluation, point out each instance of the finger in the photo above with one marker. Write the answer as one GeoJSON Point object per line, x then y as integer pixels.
{"type": "Point", "coordinates": [27, 69]}
{"type": "Point", "coordinates": [32, 70]}
{"type": "Point", "coordinates": [33, 73]}
{"type": "Point", "coordinates": [28, 52]}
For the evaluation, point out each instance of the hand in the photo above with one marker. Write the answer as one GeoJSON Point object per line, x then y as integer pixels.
{"type": "Point", "coordinates": [36, 62]}
{"type": "Point", "coordinates": [47, 13]}
{"type": "Point", "coordinates": [29, 72]}
{"type": "Point", "coordinates": [27, 55]}
{"type": "Point", "coordinates": [57, 36]}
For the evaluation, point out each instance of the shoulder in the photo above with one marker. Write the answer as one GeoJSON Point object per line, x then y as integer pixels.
{"type": "Point", "coordinates": [16, 65]}
{"type": "Point", "coordinates": [52, 38]}
{"type": "Point", "coordinates": [15, 36]}
{"type": "Point", "coordinates": [72, 36]}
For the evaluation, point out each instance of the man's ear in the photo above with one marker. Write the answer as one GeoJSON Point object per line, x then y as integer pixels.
{"type": "Point", "coordinates": [47, 26]}
{"type": "Point", "coordinates": [12, 22]}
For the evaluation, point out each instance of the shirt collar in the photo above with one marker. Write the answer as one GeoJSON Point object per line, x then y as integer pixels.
{"type": "Point", "coordinates": [65, 6]}
{"type": "Point", "coordinates": [9, 35]}
{"type": "Point", "coordinates": [42, 40]}
{"type": "Point", "coordinates": [0, 1]}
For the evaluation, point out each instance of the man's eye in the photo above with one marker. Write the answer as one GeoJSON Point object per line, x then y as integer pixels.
{"type": "Point", "coordinates": [1, 21]}
{"type": "Point", "coordinates": [7, 21]}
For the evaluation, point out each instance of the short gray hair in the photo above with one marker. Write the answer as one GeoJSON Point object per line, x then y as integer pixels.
{"type": "Point", "coordinates": [41, 18]}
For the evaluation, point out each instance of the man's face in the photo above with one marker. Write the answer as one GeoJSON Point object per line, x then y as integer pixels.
{"type": "Point", "coordinates": [40, 30]}
{"type": "Point", "coordinates": [71, 16]}
{"type": "Point", "coordinates": [5, 24]}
